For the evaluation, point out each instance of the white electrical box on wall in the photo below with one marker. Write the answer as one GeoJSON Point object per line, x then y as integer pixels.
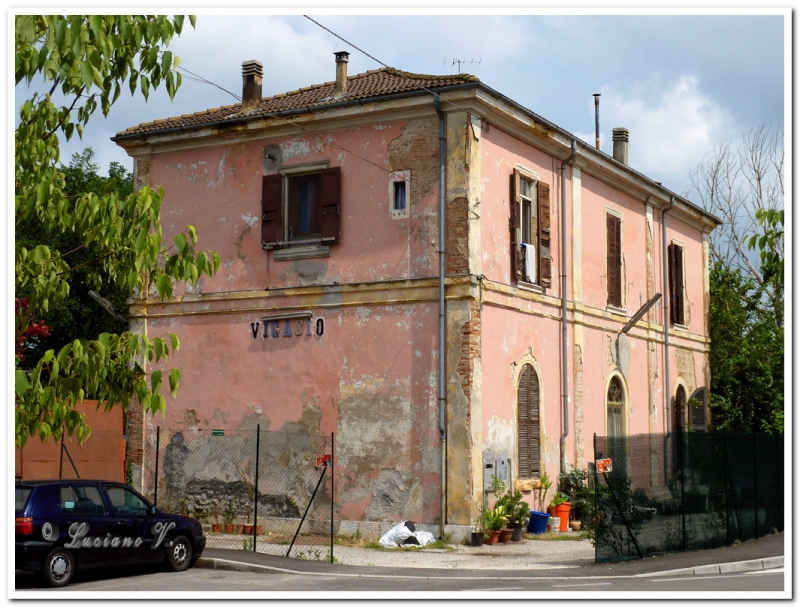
{"type": "Point", "coordinates": [502, 468]}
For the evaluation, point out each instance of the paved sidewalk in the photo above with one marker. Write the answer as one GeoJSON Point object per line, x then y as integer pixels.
{"type": "Point", "coordinates": [529, 558]}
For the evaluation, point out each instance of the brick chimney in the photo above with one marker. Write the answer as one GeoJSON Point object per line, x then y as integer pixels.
{"type": "Point", "coordinates": [620, 138]}
{"type": "Point", "coordinates": [252, 74]}
{"type": "Point", "coordinates": [342, 57]}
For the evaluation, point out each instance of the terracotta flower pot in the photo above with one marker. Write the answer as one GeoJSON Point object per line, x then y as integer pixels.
{"type": "Point", "coordinates": [575, 525]}
{"type": "Point", "coordinates": [258, 529]}
{"type": "Point", "coordinates": [247, 529]}
{"type": "Point", "coordinates": [562, 512]}
{"type": "Point", "coordinates": [551, 510]}
{"type": "Point", "coordinates": [228, 528]}
{"type": "Point", "coordinates": [492, 539]}
{"type": "Point", "coordinates": [505, 535]}
{"type": "Point", "coordinates": [216, 527]}
{"type": "Point", "coordinates": [239, 528]}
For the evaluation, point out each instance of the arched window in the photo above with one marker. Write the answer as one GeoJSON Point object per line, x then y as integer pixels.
{"type": "Point", "coordinates": [679, 415]}
{"type": "Point", "coordinates": [528, 423]}
{"type": "Point", "coordinates": [615, 405]}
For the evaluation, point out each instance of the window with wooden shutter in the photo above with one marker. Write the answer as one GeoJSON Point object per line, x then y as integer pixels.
{"type": "Point", "coordinates": [676, 284]}
{"type": "Point", "coordinates": [271, 211]}
{"type": "Point", "coordinates": [528, 446]}
{"type": "Point", "coordinates": [544, 234]}
{"type": "Point", "coordinates": [697, 411]}
{"type": "Point", "coordinates": [331, 205]}
{"type": "Point", "coordinates": [614, 260]}
{"type": "Point", "coordinates": [517, 262]}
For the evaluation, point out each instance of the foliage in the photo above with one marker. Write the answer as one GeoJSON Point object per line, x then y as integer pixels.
{"type": "Point", "coordinates": [558, 499]}
{"type": "Point", "coordinates": [545, 484]}
{"type": "Point", "coordinates": [515, 507]}
{"type": "Point", "coordinates": [493, 519]}
{"type": "Point", "coordinates": [88, 60]}
{"type": "Point", "coordinates": [616, 515]}
{"type": "Point", "coordinates": [747, 363]}
{"type": "Point", "coordinates": [574, 484]}
{"type": "Point", "coordinates": [248, 543]}
{"type": "Point", "coordinates": [229, 512]}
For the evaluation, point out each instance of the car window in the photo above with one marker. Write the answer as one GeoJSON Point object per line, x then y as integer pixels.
{"type": "Point", "coordinates": [126, 501]}
{"type": "Point", "coordinates": [82, 499]}
{"type": "Point", "coordinates": [20, 499]}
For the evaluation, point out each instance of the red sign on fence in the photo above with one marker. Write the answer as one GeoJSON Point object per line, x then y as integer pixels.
{"type": "Point", "coordinates": [603, 465]}
{"type": "Point", "coordinates": [323, 460]}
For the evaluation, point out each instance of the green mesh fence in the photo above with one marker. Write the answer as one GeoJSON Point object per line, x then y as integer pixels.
{"type": "Point", "coordinates": [686, 491]}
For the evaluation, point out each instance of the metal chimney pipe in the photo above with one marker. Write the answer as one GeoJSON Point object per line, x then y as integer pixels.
{"type": "Point", "coordinates": [597, 120]}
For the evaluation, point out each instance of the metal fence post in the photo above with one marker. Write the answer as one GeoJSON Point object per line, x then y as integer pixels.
{"type": "Point", "coordinates": [725, 477]}
{"type": "Point", "coordinates": [333, 476]}
{"type": "Point", "coordinates": [682, 450]}
{"type": "Point", "coordinates": [158, 441]}
{"type": "Point", "coordinates": [594, 522]}
{"type": "Point", "coordinates": [255, 493]}
{"type": "Point", "coordinates": [61, 454]}
{"type": "Point", "coordinates": [755, 486]}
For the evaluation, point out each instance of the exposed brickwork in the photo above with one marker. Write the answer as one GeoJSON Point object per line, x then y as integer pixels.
{"type": "Point", "coordinates": [135, 443]}
{"type": "Point", "coordinates": [457, 245]}
{"type": "Point", "coordinates": [470, 350]}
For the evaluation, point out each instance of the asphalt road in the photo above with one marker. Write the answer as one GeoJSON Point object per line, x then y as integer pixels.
{"type": "Point", "coordinates": [149, 579]}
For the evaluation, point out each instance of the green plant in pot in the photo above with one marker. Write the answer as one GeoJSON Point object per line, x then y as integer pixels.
{"type": "Point", "coordinates": [545, 484]}
{"type": "Point", "coordinates": [493, 520]}
{"type": "Point", "coordinates": [561, 506]}
{"type": "Point", "coordinates": [227, 516]}
{"type": "Point", "coordinates": [574, 483]}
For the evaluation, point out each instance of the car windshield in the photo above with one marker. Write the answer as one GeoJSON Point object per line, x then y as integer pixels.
{"type": "Point", "coordinates": [21, 498]}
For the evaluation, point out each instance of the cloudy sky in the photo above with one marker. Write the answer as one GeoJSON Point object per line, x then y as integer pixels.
{"type": "Point", "coordinates": [679, 83]}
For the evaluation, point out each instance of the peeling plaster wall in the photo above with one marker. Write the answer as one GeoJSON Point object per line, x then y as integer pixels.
{"type": "Point", "coordinates": [218, 190]}
{"type": "Point", "coordinates": [371, 378]}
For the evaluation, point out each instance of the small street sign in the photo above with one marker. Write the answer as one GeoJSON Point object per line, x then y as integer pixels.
{"type": "Point", "coordinates": [603, 465]}
{"type": "Point", "coordinates": [218, 433]}
{"type": "Point", "coordinates": [323, 460]}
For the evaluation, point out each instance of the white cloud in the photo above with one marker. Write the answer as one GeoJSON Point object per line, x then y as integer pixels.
{"type": "Point", "coordinates": [670, 130]}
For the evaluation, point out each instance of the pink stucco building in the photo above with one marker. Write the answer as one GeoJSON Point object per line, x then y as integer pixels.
{"type": "Point", "coordinates": [324, 206]}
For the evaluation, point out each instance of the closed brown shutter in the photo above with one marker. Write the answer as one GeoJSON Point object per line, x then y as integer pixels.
{"type": "Point", "coordinates": [676, 284]}
{"type": "Point", "coordinates": [544, 234]}
{"type": "Point", "coordinates": [697, 411]}
{"type": "Point", "coordinates": [271, 210]}
{"type": "Point", "coordinates": [517, 261]}
{"type": "Point", "coordinates": [614, 260]}
{"type": "Point", "coordinates": [528, 423]}
{"type": "Point", "coordinates": [330, 195]}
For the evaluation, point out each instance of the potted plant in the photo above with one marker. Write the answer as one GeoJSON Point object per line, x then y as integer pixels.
{"type": "Point", "coordinates": [518, 513]}
{"type": "Point", "coordinates": [560, 505]}
{"type": "Point", "coordinates": [540, 496]}
{"type": "Point", "coordinates": [227, 516]}
{"type": "Point", "coordinates": [495, 520]}
{"type": "Point", "coordinates": [216, 527]}
{"type": "Point", "coordinates": [574, 484]}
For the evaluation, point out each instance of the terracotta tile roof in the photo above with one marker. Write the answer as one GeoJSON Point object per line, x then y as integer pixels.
{"type": "Point", "coordinates": [375, 83]}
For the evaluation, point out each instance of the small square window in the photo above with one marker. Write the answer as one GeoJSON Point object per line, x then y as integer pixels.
{"type": "Point", "coordinates": [399, 191]}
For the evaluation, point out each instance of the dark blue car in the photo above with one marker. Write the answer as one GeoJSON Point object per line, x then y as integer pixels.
{"type": "Point", "coordinates": [64, 525]}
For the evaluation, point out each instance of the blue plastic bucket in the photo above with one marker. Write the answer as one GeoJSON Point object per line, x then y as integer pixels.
{"type": "Point", "coordinates": [537, 523]}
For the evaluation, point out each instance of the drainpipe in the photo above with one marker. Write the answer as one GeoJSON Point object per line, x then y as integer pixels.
{"type": "Point", "coordinates": [665, 301]}
{"type": "Point", "coordinates": [564, 378]}
{"type": "Point", "coordinates": [440, 346]}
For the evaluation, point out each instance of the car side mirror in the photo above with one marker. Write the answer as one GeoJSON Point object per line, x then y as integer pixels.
{"type": "Point", "coordinates": [152, 510]}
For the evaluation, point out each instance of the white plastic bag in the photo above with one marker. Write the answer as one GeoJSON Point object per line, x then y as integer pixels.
{"type": "Point", "coordinates": [424, 537]}
{"type": "Point", "coordinates": [395, 536]}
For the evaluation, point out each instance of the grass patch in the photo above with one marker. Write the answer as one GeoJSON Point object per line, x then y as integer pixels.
{"type": "Point", "coordinates": [557, 537]}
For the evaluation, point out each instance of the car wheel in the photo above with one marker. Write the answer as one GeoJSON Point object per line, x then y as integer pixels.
{"type": "Point", "coordinates": [59, 567]}
{"type": "Point", "coordinates": [179, 555]}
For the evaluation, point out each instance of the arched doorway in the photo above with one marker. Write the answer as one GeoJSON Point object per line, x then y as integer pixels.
{"type": "Point", "coordinates": [615, 408]}
{"type": "Point", "coordinates": [679, 410]}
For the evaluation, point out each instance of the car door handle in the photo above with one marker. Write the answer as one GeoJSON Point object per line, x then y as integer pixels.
{"type": "Point", "coordinates": [119, 523]}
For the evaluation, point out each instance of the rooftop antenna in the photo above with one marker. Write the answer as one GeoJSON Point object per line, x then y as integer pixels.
{"type": "Point", "coordinates": [461, 62]}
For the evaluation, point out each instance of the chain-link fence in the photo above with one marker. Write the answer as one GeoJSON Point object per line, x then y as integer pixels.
{"type": "Point", "coordinates": [99, 457]}
{"type": "Point", "coordinates": [252, 489]}
{"type": "Point", "coordinates": [685, 491]}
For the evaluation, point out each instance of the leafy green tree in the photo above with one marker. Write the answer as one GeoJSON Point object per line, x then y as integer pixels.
{"type": "Point", "coordinates": [78, 315]}
{"type": "Point", "coordinates": [89, 59]}
{"type": "Point", "coordinates": [747, 365]}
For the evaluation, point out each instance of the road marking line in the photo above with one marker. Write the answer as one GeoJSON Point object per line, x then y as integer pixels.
{"type": "Point", "coordinates": [711, 576]}
{"type": "Point", "coordinates": [574, 585]}
{"type": "Point", "coordinates": [765, 571]}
